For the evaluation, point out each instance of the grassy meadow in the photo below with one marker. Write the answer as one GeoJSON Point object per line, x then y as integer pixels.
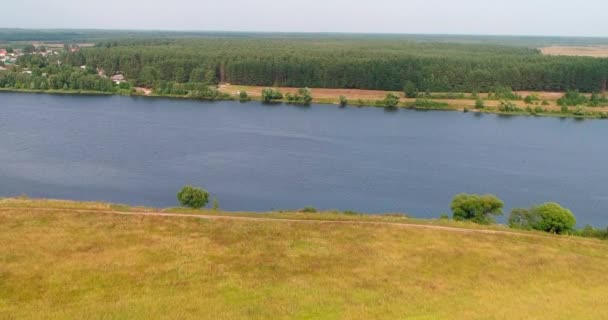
{"type": "Point", "coordinates": [69, 260]}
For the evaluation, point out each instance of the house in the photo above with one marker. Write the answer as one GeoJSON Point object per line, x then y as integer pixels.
{"type": "Point", "coordinates": [3, 52]}
{"type": "Point", "coordinates": [118, 79]}
{"type": "Point", "coordinates": [3, 68]}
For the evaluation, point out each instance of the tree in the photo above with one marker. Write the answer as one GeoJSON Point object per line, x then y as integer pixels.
{"type": "Point", "coordinates": [29, 48]}
{"type": "Point", "coordinates": [391, 100]}
{"type": "Point", "coordinates": [243, 96]}
{"type": "Point", "coordinates": [553, 218]}
{"type": "Point", "coordinates": [410, 90]}
{"type": "Point", "coordinates": [476, 208]}
{"type": "Point", "coordinates": [193, 197]}
{"type": "Point", "coordinates": [269, 95]}
{"type": "Point", "coordinates": [305, 95]}
{"type": "Point", "coordinates": [521, 218]}
{"type": "Point", "coordinates": [197, 75]}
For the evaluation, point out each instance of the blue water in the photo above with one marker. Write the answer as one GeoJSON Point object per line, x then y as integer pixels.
{"type": "Point", "coordinates": [259, 157]}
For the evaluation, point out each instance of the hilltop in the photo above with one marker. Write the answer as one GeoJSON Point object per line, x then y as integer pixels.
{"type": "Point", "coordinates": [74, 260]}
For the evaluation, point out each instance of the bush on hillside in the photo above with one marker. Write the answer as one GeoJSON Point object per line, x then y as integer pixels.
{"type": "Point", "coordinates": [476, 208]}
{"type": "Point", "coordinates": [548, 217]}
{"type": "Point", "coordinates": [193, 197]}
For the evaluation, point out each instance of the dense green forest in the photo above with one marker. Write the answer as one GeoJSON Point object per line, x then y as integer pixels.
{"type": "Point", "coordinates": [188, 62]}
{"type": "Point", "coordinates": [385, 64]}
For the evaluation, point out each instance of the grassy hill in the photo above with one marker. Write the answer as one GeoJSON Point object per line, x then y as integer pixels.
{"type": "Point", "coordinates": [68, 260]}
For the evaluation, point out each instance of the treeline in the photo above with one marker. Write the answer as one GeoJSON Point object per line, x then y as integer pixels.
{"type": "Point", "coordinates": [361, 63]}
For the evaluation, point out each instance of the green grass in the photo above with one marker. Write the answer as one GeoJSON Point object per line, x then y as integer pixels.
{"type": "Point", "coordinates": [65, 264]}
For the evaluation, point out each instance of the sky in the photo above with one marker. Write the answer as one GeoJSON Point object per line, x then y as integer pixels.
{"type": "Point", "coordinates": [495, 17]}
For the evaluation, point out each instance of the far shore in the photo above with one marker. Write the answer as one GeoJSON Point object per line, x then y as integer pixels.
{"type": "Point", "coordinates": [365, 98]}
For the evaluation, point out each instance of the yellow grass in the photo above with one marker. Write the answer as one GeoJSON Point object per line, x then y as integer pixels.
{"type": "Point", "coordinates": [66, 264]}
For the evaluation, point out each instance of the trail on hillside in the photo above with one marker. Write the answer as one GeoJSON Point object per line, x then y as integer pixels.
{"type": "Point", "coordinates": [264, 219]}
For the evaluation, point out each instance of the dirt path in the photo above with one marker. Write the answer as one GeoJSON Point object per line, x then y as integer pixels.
{"type": "Point", "coordinates": [263, 219]}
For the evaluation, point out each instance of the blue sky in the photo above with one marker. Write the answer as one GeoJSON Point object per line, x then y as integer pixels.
{"type": "Point", "coordinates": [513, 17]}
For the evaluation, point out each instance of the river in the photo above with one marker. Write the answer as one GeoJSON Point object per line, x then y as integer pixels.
{"type": "Point", "coordinates": [257, 157]}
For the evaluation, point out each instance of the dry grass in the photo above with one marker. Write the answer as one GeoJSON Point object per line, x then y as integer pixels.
{"type": "Point", "coordinates": [68, 265]}
{"type": "Point", "coordinates": [588, 51]}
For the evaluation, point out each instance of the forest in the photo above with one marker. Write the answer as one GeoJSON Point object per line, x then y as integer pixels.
{"type": "Point", "coordinates": [186, 65]}
{"type": "Point", "coordinates": [343, 62]}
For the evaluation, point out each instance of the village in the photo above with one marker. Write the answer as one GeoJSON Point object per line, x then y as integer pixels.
{"type": "Point", "coordinates": [9, 57]}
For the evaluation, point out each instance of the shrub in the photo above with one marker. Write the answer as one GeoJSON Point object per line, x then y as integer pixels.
{"type": "Point", "coordinates": [579, 111]}
{"type": "Point", "coordinates": [429, 104]}
{"type": "Point", "coordinates": [343, 101]}
{"type": "Point", "coordinates": [269, 95]}
{"type": "Point", "coordinates": [391, 100]}
{"type": "Point", "coordinates": [530, 99]}
{"type": "Point", "coordinates": [564, 110]}
{"type": "Point", "coordinates": [508, 106]}
{"type": "Point", "coordinates": [309, 210]}
{"type": "Point", "coordinates": [548, 217]}
{"type": "Point", "coordinates": [479, 103]}
{"type": "Point", "coordinates": [193, 197]}
{"type": "Point", "coordinates": [572, 98]}
{"type": "Point", "coordinates": [243, 96]}
{"type": "Point", "coordinates": [476, 208]}
{"type": "Point", "coordinates": [215, 204]}
{"type": "Point", "coordinates": [545, 103]}
{"type": "Point", "coordinates": [465, 110]}
{"type": "Point", "coordinates": [522, 219]}
{"type": "Point", "coordinates": [538, 110]}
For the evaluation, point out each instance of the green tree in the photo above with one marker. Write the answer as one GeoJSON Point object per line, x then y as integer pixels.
{"type": "Point", "coordinates": [553, 218]}
{"type": "Point", "coordinates": [193, 197]}
{"type": "Point", "coordinates": [410, 90]}
{"type": "Point", "coordinates": [197, 75]}
{"type": "Point", "coordinates": [305, 95]}
{"type": "Point", "coordinates": [391, 100]}
{"type": "Point", "coordinates": [270, 94]}
{"type": "Point", "coordinates": [243, 96]}
{"type": "Point", "coordinates": [476, 208]}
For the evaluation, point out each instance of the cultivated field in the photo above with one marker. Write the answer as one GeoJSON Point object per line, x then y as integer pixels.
{"type": "Point", "coordinates": [65, 260]}
{"type": "Point", "coordinates": [587, 51]}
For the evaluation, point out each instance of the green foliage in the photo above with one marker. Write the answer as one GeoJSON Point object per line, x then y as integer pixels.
{"type": "Point", "coordinates": [309, 210]}
{"type": "Point", "coordinates": [553, 218]}
{"type": "Point", "coordinates": [343, 101]}
{"type": "Point", "coordinates": [270, 95]}
{"type": "Point", "coordinates": [508, 106]}
{"type": "Point", "coordinates": [479, 103]}
{"type": "Point", "coordinates": [303, 96]}
{"type": "Point", "coordinates": [391, 100]}
{"type": "Point", "coordinates": [243, 96]}
{"type": "Point", "coordinates": [429, 104]}
{"type": "Point", "coordinates": [476, 208]}
{"type": "Point", "coordinates": [572, 98]}
{"type": "Point", "coordinates": [410, 90]}
{"type": "Point", "coordinates": [564, 109]}
{"type": "Point", "coordinates": [193, 197]}
{"type": "Point", "coordinates": [579, 111]}
{"type": "Point", "coordinates": [530, 99]}
{"type": "Point", "coordinates": [215, 204]}
{"type": "Point", "coordinates": [503, 93]}
{"type": "Point", "coordinates": [548, 217]}
{"type": "Point", "coordinates": [539, 110]}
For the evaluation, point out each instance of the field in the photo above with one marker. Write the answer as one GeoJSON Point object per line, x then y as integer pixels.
{"type": "Point", "coordinates": [66, 260]}
{"type": "Point", "coordinates": [583, 51]}
{"type": "Point", "coordinates": [331, 96]}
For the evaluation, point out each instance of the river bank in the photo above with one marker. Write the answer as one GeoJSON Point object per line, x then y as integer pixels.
{"type": "Point", "coordinates": [373, 98]}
